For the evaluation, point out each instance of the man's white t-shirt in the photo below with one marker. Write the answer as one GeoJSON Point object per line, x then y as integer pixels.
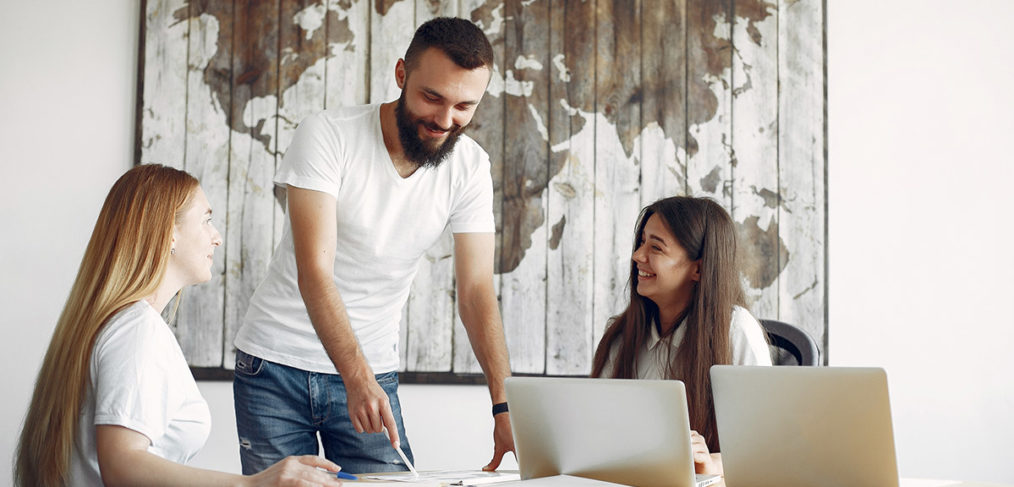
{"type": "Point", "coordinates": [140, 380]}
{"type": "Point", "coordinates": [384, 222]}
{"type": "Point", "coordinates": [746, 338]}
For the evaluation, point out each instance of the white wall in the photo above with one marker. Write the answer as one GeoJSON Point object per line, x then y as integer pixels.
{"type": "Point", "coordinates": [919, 218]}
{"type": "Point", "coordinates": [920, 222]}
{"type": "Point", "coordinates": [66, 127]}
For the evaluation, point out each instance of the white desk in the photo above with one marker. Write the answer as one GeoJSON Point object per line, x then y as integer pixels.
{"type": "Point", "coordinates": [567, 481]}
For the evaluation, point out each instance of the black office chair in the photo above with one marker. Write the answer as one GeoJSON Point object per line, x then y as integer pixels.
{"type": "Point", "coordinates": [790, 345]}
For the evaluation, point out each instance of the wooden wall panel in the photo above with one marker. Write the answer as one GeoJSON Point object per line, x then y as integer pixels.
{"type": "Point", "coordinates": [302, 71]}
{"type": "Point", "coordinates": [617, 174]}
{"type": "Point", "coordinates": [526, 160]}
{"type": "Point", "coordinates": [709, 167]}
{"type": "Point", "coordinates": [571, 194]}
{"type": "Point", "coordinates": [201, 319]}
{"type": "Point", "coordinates": [595, 109]}
{"type": "Point", "coordinates": [802, 167]}
{"type": "Point", "coordinates": [163, 98]}
{"type": "Point", "coordinates": [347, 64]}
{"type": "Point", "coordinates": [251, 212]}
{"type": "Point", "coordinates": [754, 184]}
{"type": "Point", "coordinates": [663, 107]}
{"type": "Point", "coordinates": [392, 23]}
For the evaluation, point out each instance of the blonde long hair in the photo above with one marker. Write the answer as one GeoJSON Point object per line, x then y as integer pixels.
{"type": "Point", "coordinates": [125, 261]}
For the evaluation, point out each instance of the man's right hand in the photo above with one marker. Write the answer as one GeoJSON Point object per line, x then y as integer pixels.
{"type": "Point", "coordinates": [313, 216]}
{"type": "Point", "coordinates": [370, 408]}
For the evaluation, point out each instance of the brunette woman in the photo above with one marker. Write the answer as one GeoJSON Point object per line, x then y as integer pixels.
{"type": "Point", "coordinates": [686, 311]}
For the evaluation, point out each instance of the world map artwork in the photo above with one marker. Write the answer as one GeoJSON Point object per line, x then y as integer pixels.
{"type": "Point", "coordinates": [594, 110]}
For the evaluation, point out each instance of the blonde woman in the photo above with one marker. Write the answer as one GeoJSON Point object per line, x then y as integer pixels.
{"type": "Point", "coordinates": [115, 402]}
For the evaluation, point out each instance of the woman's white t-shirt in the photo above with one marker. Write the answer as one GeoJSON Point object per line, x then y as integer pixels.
{"type": "Point", "coordinates": [746, 338]}
{"type": "Point", "coordinates": [140, 380]}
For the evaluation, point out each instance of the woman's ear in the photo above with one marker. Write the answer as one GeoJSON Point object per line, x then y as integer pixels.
{"type": "Point", "coordinates": [696, 274]}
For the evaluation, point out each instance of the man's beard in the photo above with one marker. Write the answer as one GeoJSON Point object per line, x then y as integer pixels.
{"type": "Point", "coordinates": [416, 150]}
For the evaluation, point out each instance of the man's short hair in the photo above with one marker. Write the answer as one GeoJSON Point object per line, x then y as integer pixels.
{"type": "Point", "coordinates": [459, 39]}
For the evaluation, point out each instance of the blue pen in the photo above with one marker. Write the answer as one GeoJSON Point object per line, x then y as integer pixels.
{"type": "Point", "coordinates": [346, 476]}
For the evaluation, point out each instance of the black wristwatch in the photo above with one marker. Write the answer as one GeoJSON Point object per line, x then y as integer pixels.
{"type": "Point", "coordinates": [499, 408]}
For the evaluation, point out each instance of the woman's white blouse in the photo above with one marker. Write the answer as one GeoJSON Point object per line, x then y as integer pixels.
{"type": "Point", "coordinates": [746, 337]}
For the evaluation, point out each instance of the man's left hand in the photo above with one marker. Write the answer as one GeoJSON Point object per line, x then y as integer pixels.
{"type": "Point", "coordinates": [503, 440]}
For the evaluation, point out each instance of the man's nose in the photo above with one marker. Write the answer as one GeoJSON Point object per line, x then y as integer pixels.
{"type": "Point", "coordinates": [445, 118]}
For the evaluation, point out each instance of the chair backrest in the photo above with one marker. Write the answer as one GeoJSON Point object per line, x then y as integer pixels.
{"type": "Point", "coordinates": [795, 342]}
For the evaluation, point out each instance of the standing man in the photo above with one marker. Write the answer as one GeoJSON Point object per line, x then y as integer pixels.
{"type": "Point", "coordinates": [369, 189]}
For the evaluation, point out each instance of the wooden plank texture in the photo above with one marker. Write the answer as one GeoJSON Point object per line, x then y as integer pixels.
{"type": "Point", "coordinates": [595, 109]}
{"type": "Point", "coordinates": [201, 315]}
{"type": "Point", "coordinates": [802, 168]}
{"type": "Point", "coordinates": [571, 207]}
{"type": "Point", "coordinates": [709, 169]}
{"type": "Point", "coordinates": [302, 74]}
{"type": "Point", "coordinates": [392, 23]}
{"type": "Point", "coordinates": [163, 100]}
{"type": "Point", "coordinates": [526, 160]}
{"type": "Point", "coordinates": [617, 175]}
{"type": "Point", "coordinates": [663, 108]}
{"type": "Point", "coordinates": [347, 69]}
{"type": "Point", "coordinates": [755, 148]}
{"type": "Point", "coordinates": [252, 208]}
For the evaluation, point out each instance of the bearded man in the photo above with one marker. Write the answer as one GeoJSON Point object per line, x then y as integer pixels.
{"type": "Point", "coordinates": [369, 189]}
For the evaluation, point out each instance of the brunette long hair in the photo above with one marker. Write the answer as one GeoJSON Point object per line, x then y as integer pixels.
{"type": "Point", "coordinates": [125, 261]}
{"type": "Point", "coordinates": [706, 232]}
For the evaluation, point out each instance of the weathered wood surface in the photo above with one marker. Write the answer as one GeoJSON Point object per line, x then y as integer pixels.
{"type": "Point", "coordinates": [802, 167]}
{"type": "Point", "coordinates": [163, 99]}
{"type": "Point", "coordinates": [201, 325]}
{"type": "Point", "coordinates": [709, 170]}
{"type": "Point", "coordinates": [571, 192]}
{"type": "Point", "coordinates": [617, 175]}
{"type": "Point", "coordinates": [526, 164]}
{"type": "Point", "coordinates": [595, 109]}
{"type": "Point", "coordinates": [392, 23]}
{"type": "Point", "coordinates": [346, 68]}
{"type": "Point", "coordinates": [251, 213]}
{"type": "Point", "coordinates": [663, 107]}
{"type": "Point", "coordinates": [755, 151]}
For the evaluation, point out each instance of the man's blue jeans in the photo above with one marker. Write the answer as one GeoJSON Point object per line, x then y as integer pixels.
{"type": "Point", "coordinates": [280, 410]}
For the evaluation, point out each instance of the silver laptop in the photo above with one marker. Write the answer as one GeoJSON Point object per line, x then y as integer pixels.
{"type": "Point", "coordinates": [631, 432]}
{"type": "Point", "coordinates": [804, 426]}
